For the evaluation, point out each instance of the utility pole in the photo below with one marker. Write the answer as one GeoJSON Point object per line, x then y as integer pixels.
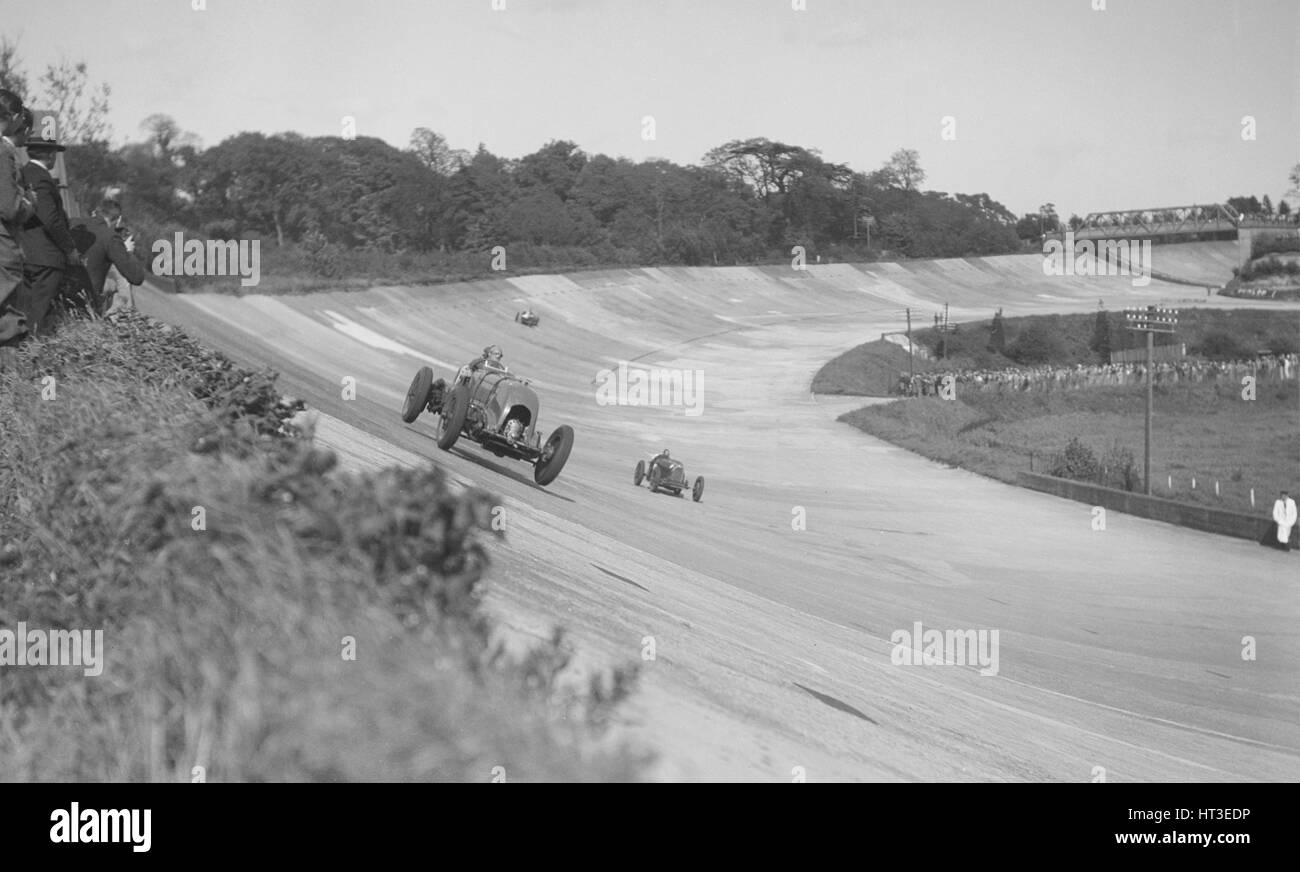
{"type": "Point", "coordinates": [1151, 320]}
{"type": "Point", "coordinates": [911, 371]}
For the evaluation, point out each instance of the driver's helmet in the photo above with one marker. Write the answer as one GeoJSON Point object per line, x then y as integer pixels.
{"type": "Point", "coordinates": [492, 353]}
{"type": "Point", "coordinates": [664, 454]}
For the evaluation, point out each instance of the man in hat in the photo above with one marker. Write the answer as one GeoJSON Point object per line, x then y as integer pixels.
{"type": "Point", "coordinates": [103, 247]}
{"type": "Point", "coordinates": [48, 247]}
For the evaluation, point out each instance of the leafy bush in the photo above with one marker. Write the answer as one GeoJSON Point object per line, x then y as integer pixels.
{"type": "Point", "coordinates": [150, 352]}
{"type": "Point", "coordinates": [1101, 337]}
{"type": "Point", "coordinates": [1271, 266]}
{"type": "Point", "coordinates": [1076, 462]}
{"type": "Point", "coordinates": [997, 335]}
{"type": "Point", "coordinates": [221, 229]}
{"type": "Point", "coordinates": [1222, 345]}
{"type": "Point", "coordinates": [1037, 344]}
{"type": "Point", "coordinates": [1271, 244]}
{"type": "Point", "coordinates": [1119, 469]}
{"type": "Point", "coordinates": [322, 257]}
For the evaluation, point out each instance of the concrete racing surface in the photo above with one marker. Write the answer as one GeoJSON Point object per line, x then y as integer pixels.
{"type": "Point", "coordinates": [1119, 649]}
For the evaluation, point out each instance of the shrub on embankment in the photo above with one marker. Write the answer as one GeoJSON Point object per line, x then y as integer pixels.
{"type": "Point", "coordinates": [1203, 433]}
{"type": "Point", "coordinates": [870, 370]}
{"type": "Point", "coordinates": [144, 492]}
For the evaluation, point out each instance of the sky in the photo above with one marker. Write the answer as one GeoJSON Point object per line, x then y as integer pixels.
{"type": "Point", "coordinates": [1138, 104]}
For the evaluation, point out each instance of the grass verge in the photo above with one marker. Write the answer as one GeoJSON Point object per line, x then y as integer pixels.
{"type": "Point", "coordinates": [869, 370]}
{"type": "Point", "coordinates": [264, 618]}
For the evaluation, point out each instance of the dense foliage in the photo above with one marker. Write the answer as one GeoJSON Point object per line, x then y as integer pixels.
{"type": "Point", "coordinates": [749, 200]}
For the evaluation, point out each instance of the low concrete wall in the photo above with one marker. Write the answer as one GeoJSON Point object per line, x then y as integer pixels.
{"type": "Point", "coordinates": [1197, 517]}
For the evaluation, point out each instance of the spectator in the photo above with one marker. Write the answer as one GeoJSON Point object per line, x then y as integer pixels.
{"type": "Point", "coordinates": [48, 249]}
{"type": "Point", "coordinates": [1267, 367]}
{"type": "Point", "coordinates": [119, 294]}
{"type": "Point", "coordinates": [16, 205]}
{"type": "Point", "coordinates": [1284, 520]}
{"type": "Point", "coordinates": [98, 240]}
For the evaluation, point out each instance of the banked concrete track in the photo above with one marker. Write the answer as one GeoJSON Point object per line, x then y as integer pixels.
{"type": "Point", "coordinates": [1119, 649]}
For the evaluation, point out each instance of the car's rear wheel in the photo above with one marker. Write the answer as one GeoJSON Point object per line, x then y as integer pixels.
{"type": "Point", "coordinates": [555, 453]}
{"type": "Point", "coordinates": [455, 406]}
{"type": "Point", "coordinates": [639, 475]}
{"type": "Point", "coordinates": [417, 395]}
{"type": "Point", "coordinates": [697, 492]}
{"type": "Point", "coordinates": [656, 474]}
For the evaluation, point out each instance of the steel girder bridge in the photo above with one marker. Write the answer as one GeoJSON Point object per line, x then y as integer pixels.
{"type": "Point", "coordinates": [1169, 221]}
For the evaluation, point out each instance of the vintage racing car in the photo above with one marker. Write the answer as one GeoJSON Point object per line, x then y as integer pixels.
{"type": "Point", "coordinates": [528, 318]}
{"type": "Point", "coordinates": [664, 473]}
{"type": "Point", "coordinates": [494, 408]}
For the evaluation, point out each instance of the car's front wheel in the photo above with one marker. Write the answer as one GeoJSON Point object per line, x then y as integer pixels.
{"type": "Point", "coordinates": [697, 492]}
{"type": "Point", "coordinates": [638, 475]}
{"type": "Point", "coordinates": [455, 406]}
{"type": "Point", "coordinates": [656, 474]}
{"type": "Point", "coordinates": [417, 395]}
{"type": "Point", "coordinates": [555, 453]}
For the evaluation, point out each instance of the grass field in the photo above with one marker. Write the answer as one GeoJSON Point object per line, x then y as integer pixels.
{"type": "Point", "coordinates": [869, 370]}
{"type": "Point", "coordinates": [1203, 431]}
{"type": "Point", "coordinates": [264, 617]}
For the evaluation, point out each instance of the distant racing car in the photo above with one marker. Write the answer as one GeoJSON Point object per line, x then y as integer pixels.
{"type": "Point", "coordinates": [495, 409]}
{"type": "Point", "coordinates": [664, 473]}
{"type": "Point", "coordinates": [528, 318]}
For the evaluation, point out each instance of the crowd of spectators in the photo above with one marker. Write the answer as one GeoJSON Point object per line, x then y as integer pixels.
{"type": "Point", "coordinates": [1271, 218]}
{"type": "Point", "coordinates": [1265, 368]}
{"type": "Point", "coordinates": [50, 262]}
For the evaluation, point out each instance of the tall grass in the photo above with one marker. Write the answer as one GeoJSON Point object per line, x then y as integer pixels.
{"type": "Point", "coordinates": [227, 639]}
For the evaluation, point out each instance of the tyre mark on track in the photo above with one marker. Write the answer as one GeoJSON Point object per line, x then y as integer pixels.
{"type": "Point", "coordinates": [621, 578]}
{"type": "Point", "coordinates": [838, 705]}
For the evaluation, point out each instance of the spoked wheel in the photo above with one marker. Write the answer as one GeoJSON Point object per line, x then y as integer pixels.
{"type": "Point", "coordinates": [697, 492]}
{"type": "Point", "coordinates": [655, 475]}
{"type": "Point", "coordinates": [639, 475]}
{"type": "Point", "coordinates": [417, 395]}
{"type": "Point", "coordinates": [454, 408]}
{"type": "Point", "coordinates": [555, 453]}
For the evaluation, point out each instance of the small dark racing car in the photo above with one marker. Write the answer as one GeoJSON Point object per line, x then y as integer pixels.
{"type": "Point", "coordinates": [664, 473]}
{"type": "Point", "coordinates": [528, 318]}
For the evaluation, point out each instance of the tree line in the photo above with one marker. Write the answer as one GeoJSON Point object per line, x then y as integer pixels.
{"type": "Point", "coordinates": [747, 200]}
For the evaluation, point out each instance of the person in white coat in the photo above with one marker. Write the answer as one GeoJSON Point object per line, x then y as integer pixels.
{"type": "Point", "coordinates": [1284, 516]}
